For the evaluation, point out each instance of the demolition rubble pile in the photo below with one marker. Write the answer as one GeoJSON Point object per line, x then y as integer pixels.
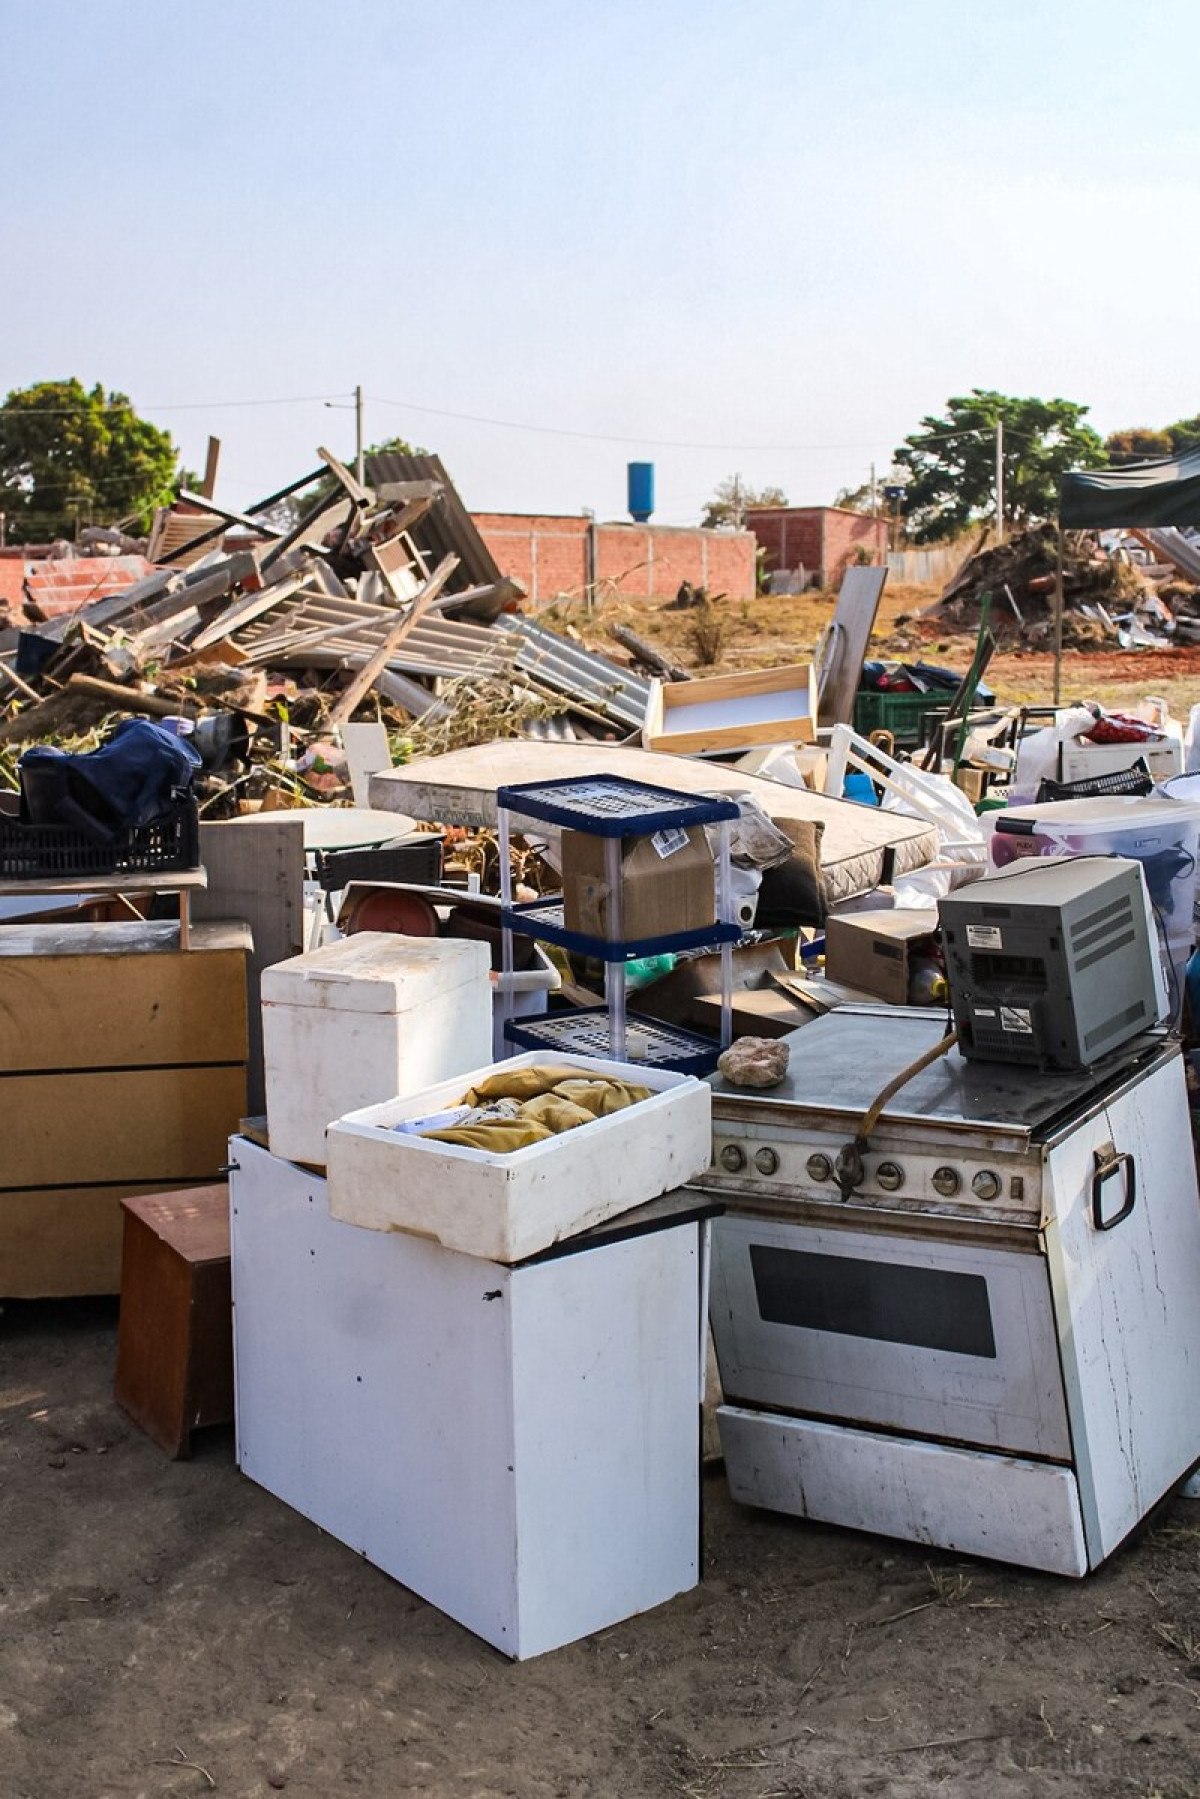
{"type": "Point", "coordinates": [1138, 592]}
{"type": "Point", "coordinates": [330, 600]}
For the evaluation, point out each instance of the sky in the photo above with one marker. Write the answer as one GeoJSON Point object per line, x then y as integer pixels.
{"type": "Point", "coordinates": [548, 237]}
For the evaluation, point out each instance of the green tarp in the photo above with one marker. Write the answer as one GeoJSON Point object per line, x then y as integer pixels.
{"type": "Point", "coordinates": [1146, 495]}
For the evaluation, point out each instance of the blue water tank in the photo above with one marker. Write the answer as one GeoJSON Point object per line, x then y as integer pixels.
{"type": "Point", "coordinates": [641, 491]}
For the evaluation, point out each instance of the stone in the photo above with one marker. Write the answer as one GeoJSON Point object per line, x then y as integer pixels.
{"type": "Point", "coordinates": [755, 1062]}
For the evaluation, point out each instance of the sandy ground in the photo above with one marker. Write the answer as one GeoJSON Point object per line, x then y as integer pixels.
{"type": "Point", "coordinates": [771, 630]}
{"type": "Point", "coordinates": [154, 1613]}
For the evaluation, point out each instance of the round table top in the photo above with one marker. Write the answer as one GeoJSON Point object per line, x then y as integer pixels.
{"type": "Point", "coordinates": [340, 827]}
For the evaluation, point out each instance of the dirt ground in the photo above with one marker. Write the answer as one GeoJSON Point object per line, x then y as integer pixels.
{"type": "Point", "coordinates": [778, 629]}
{"type": "Point", "coordinates": [171, 1629]}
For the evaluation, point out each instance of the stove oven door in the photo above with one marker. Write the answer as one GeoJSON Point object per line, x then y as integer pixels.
{"type": "Point", "coordinates": [948, 1340]}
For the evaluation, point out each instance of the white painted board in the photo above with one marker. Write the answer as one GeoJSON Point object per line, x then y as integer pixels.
{"type": "Point", "coordinates": [1002, 1507]}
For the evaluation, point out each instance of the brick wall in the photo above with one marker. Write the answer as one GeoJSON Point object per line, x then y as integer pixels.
{"type": "Point", "coordinates": [550, 555]}
{"type": "Point", "coordinates": [822, 540]}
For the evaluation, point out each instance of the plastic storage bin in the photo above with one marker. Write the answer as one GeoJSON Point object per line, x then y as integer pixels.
{"type": "Point", "coordinates": [1162, 834]}
{"type": "Point", "coordinates": [55, 852]}
{"type": "Point", "coordinates": [365, 1019]}
{"type": "Point", "coordinates": [507, 1207]}
{"type": "Point", "coordinates": [903, 714]}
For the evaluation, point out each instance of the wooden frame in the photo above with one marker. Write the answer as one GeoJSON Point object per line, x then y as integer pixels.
{"type": "Point", "coordinates": [733, 712]}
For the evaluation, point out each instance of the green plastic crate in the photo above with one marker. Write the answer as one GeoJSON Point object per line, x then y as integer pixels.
{"type": "Point", "coordinates": [900, 713]}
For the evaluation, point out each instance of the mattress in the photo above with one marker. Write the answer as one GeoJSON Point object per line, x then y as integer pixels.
{"type": "Point", "coordinates": [861, 847]}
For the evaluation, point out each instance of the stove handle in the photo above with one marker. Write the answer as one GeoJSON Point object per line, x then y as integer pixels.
{"type": "Point", "coordinates": [1110, 1162]}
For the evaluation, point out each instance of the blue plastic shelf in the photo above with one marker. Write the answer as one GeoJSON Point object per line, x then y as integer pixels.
{"type": "Point", "coordinates": [587, 1032]}
{"type": "Point", "coordinates": [544, 919]}
{"type": "Point", "coordinates": [613, 806]}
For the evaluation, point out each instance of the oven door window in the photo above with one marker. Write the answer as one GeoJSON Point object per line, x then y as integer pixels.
{"type": "Point", "coordinates": [952, 1340]}
{"type": "Point", "coordinates": [888, 1302]}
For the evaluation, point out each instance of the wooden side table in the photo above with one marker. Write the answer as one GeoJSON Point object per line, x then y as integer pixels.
{"type": "Point", "coordinates": [175, 1338]}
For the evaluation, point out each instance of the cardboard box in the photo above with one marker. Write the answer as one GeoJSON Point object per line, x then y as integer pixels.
{"type": "Point", "coordinates": [667, 885]}
{"type": "Point", "coordinates": [872, 950]}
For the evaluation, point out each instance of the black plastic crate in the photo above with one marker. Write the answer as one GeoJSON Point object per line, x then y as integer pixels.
{"type": "Point", "coordinates": [55, 852]}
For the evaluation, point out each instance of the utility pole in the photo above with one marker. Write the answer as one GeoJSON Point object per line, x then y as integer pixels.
{"type": "Point", "coordinates": [874, 494]}
{"type": "Point", "coordinates": [358, 436]}
{"type": "Point", "coordinates": [999, 480]}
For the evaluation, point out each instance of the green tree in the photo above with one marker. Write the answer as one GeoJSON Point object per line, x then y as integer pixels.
{"type": "Point", "coordinates": [726, 511]}
{"type": "Point", "coordinates": [952, 461]}
{"type": "Point", "coordinates": [1184, 434]}
{"type": "Point", "coordinates": [70, 457]}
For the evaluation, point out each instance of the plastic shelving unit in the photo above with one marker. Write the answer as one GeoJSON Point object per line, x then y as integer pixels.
{"type": "Point", "coordinates": [612, 807]}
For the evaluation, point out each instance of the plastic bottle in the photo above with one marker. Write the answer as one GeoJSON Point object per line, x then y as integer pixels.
{"type": "Point", "coordinates": [927, 983]}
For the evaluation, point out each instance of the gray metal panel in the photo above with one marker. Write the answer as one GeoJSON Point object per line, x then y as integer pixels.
{"type": "Point", "coordinates": [579, 674]}
{"type": "Point", "coordinates": [447, 527]}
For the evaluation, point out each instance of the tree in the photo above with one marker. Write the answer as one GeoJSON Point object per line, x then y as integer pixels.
{"type": "Point", "coordinates": [726, 511]}
{"type": "Point", "coordinates": [69, 457]}
{"type": "Point", "coordinates": [1137, 444]}
{"type": "Point", "coordinates": [952, 461]}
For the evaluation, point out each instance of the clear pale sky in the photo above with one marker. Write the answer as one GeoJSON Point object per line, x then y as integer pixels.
{"type": "Point", "coordinates": [781, 229]}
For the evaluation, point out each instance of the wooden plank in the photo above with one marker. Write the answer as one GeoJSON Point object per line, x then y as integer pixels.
{"type": "Point", "coordinates": [64, 1243]}
{"type": "Point", "coordinates": [258, 875]}
{"type": "Point", "coordinates": [247, 608]}
{"type": "Point", "coordinates": [362, 496]}
{"type": "Point", "coordinates": [133, 1125]}
{"type": "Point", "coordinates": [366, 677]}
{"type": "Point", "coordinates": [121, 999]}
{"type": "Point", "coordinates": [849, 634]}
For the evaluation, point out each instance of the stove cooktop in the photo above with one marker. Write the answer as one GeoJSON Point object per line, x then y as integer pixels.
{"type": "Point", "coordinates": [840, 1064]}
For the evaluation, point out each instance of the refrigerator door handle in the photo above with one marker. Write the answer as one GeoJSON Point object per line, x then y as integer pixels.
{"type": "Point", "coordinates": [1110, 1162]}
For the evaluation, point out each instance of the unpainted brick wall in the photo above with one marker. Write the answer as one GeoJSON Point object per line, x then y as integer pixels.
{"type": "Point", "coordinates": [822, 540]}
{"type": "Point", "coordinates": [550, 556]}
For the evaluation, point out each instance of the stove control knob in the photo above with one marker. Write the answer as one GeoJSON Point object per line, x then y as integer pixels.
{"type": "Point", "coordinates": [733, 1157]}
{"type": "Point", "coordinates": [820, 1168]}
{"type": "Point", "coordinates": [946, 1181]}
{"type": "Point", "coordinates": [986, 1185]}
{"type": "Point", "coordinates": [890, 1176]}
{"type": "Point", "coordinates": [766, 1161]}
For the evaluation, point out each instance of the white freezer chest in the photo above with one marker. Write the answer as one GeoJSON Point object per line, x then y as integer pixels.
{"type": "Point", "coordinates": [519, 1446]}
{"type": "Point", "coordinates": [362, 1020]}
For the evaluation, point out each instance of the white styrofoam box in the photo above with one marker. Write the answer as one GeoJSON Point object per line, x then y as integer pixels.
{"type": "Point", "coordinates": [507, 1207]}
{"type": "Point", "coordinates": [517, 1445]}
{"type": "Point", "coordinates": [365, 1019]}
{"type": "Point", "coordinates": [1083, 761]}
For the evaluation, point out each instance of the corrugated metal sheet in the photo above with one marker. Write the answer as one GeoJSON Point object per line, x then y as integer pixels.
{"type": "Point", "coordinates": [591, 679]}
{"type": "Point", "coordinates": [447, 527]}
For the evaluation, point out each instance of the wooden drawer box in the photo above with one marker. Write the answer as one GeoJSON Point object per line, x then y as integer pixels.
{"type": "Point", "coordinates": [122, 1071]}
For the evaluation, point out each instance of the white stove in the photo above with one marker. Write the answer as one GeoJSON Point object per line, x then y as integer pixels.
{"type": "Point", "coordinates": [985, 1332]}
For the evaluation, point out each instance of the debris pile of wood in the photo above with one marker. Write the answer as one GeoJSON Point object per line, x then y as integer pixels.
{"type": "Point", "coordinates": [329, 600]}
{"type": "Point", "coordinates": [1108, 597]}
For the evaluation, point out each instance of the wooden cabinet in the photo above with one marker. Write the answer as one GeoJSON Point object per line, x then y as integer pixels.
{"type": "Point", "coordinates": [122, 1071]}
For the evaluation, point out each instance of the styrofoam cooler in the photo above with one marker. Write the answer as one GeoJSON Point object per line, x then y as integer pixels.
{"type": "Point", "coordinates": [363, 1020]}
{"type": "Point", "coordinates": [1161, 833]}
{"type": "Point", "coordinates": [506, 1206]}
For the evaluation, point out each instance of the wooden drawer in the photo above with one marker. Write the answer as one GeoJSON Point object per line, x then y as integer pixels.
{"type": "Point", "coordinates": [66, 1002]}
{"type": "Point", "coordinates": [143, 1126]}
{"type": "Point", "coordinates": [63, 1243]}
